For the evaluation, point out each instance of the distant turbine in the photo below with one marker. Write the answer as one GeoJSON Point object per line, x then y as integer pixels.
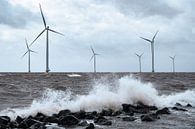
{"type": "Point", "coordinates": [47, 29]}
{"type": "Point", "coordinates": [173, 61]}
{"type": "Point", "coordinates": [152, 48]}
{"type": "Point", "coordinates": [94, 57]}
{"type": "Point", "coordinates": [140, 63]}
{"type": "Point", "coordinates": [29, 52]}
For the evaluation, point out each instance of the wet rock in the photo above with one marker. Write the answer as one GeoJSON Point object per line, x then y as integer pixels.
{"type": "Point", "coordinates": [68, 120]}
{"type": "Point", "coordinates": [64, 112]}
{"type": "Point", "coordinates": [28, 122]}
{"type": "Point", "coordinates": [38, 126]}
{"type": "Point", "coordinates": [178, 109]}
{"type": "Point", "coordinates": [178, 104]}
{"type": "Point", "coordinates": [40, 116]}
{"type": "Point", "coordinates": [108, 112]}
{"type": "Point", "coordinates": [188, 105]}
{"type": "Point", "coordinates": [140, 105]}
{"type": "Point", "coordinates": [19, 119]}
{"type": "Point", "coordinates": [129, 118]}
{"type": "Point", "coordinates": [90, 126]}
{"type": "Point", "coordinates": [102, 121]}
{"type": "Point", "coordinates": [51, 119]}
{"type": "Point", "coordinates": [116, 113]}
{"type": "Point", "coordinates": [4, 120]}
{"type": "Point", "coordinates": [13, 124]}
{"type": "Point", "coordinates": [83, 123]}
{"type": "Point", "coordinates": [80, 115]}
{"type": "Point", "coordinates": [163, 111]}
{"type": "Point", "coordinates": [150, 117]}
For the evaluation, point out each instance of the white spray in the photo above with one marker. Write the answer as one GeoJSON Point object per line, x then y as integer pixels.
{"type": "Point", "coordinates": [128, 90]}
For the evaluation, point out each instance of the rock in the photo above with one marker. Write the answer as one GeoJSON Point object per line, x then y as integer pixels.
{"type": "Point", "coordinates": [40, 116]}
{"type": "Point", "coordinates": [38, 126]}
{"type": "Point", "coordinates": [51, 119]}
{"type": "Point", "coordinates": [188, 105]}
{"type": "Point", "coordinates": [4, 120]}
{"type": "Point", "coordinates": [178, 109]}
{"type": "Point", "coordinates": [128, 108]}
{"type": "Point", "coordinates": [178, 104]}
{"type": "Point", "coordinates": [83, 123]}
{"type": "Point", "coordinates": [80, 115]}
{"type": "Point", "coordinates": [140, 105]}
{"type": "Point", "coordinates": [19, 119]}
{"type": "Point", "coordinates": [116, 113]}
{"type": "Point", "coordinates": [147, 118]}
{"type": "Point", "coordinates": [28, 122]}
{"type": "Point", "coordinates": [129, 118]}
{"type": "Point", "coordinates": [68, 120]}
{"type": "Point", "coordinates": [64, 112]}
{"type": "Point", "coordinates": [108, 112]}
{"type": "Point", "coordinates": [13, 124]}
{"type": "Point", "coordinates": [163, 111]}
{"type": "Point", "coordinates": [90, 126]}
{"type": "Point", "coordinates": [102, 121]}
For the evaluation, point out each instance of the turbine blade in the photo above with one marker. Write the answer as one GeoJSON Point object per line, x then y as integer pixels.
{"type": "Point", "coordinates": [56, 32]}
{"type": "Point", "coordinates": [91, 58]}
{"type": "Point", "coordinates": [171, 57]}
{"type": "Point", "coordinates": [24, 54]}
{"type": "Point", "coordinates": [42, 16]}
{"type": "Point", "coordinates": [136, 54]}
{"type": "Point", "coordinates": [146, 39]}
{"type": "Point", "coordinates": [26, 44]}
{"type": "Point", "coordinates": [37, 37]}
{"type": "Point", "coordinates": [92, 50]}
{"type": "Point", "coordinates": [155, 35]}
{"type": "Point", "coordinates": [33, 51]}
{"type": "Point", "coordinates": [142, 54]}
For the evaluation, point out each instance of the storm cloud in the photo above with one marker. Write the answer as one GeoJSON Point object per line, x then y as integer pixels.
{"type": "Point", "coordinates": [15, 15]}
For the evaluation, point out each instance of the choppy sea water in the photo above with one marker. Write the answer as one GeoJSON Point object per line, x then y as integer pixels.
{"type": "Point", "coordinates": [26, 94]}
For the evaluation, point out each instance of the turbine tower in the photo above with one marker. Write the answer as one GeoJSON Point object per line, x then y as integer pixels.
{"type": "Point", "coordinates": [29, 52]}
{"type": "Point", "coordinates": [140, 63]}
{"type": "Point", "coordinates": [94, 57]}
{"type": "Point", "coordinates": [173, 61]}
{"type": "Point", "coordinates": [47, 29]}
{"type": "Point", "coordinates": [152, 47]}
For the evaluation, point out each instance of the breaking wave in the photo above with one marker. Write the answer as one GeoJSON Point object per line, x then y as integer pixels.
{"type": "Point", "coordinates": [127, 90]}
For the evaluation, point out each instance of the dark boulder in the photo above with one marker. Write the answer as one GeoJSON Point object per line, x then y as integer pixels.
{"type": "Point", "coordinates": [40, 116]}
{"type": "Point", "coordinates": [108, 112]}
{"type": "Point", "coordinates": [102, 121]}
{"type": "Point", "coordinates": [90, 126]}
{"type": "Point", "coordinates": [13, 124]}
{"type": "Point", "coordinates": [188, 105]}
{"type": "Point", "coordinates": [178, 104]}
{"type": "Point", "coordinates": [149, 117]}
{"type": "Point", "coordinates": [178, 109]}
{"type": "Point", "coordinates": [19, 119]}
{"type": "Point", "coordinates": [80, 115]}
{"type": "Point", "coordinates": [4, 120]}
{"type": "Point", "coordinates": [51, 119]}
{"type": "Point", "coordinates": [140, 105]}
{"type": "Point", "coordinates": [64, 112]}
{"type": "Point", "coordinates": [163, 111]}
{"type": "Point", "coordinates": [28, 122]}
{"type": "Point", "coordinates": [116, 113]}
{"type": "Point", "coordinates": [129, 118]}
{"type": "Point", "coordinates": [68, 120]}
{"type": "Point", "coordinates": [38, 126]}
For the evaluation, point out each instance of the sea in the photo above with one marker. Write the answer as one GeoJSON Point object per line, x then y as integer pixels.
{"type": "Point", "coordinates": [26, 94]}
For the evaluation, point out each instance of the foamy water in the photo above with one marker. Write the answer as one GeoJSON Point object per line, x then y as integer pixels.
{"type": "Point", "coordinates": [127, 90]}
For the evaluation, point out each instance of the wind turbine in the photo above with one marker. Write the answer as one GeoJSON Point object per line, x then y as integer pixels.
{"type": "Point", "coordinates": [47, 29]}
{"type": "Point", "coordinates": [152, 47]}
{"type": "Point", "coordinates": [140, 64]}
{"type": "Point", "coordinates": [28, 52]}
{"type": "Point", "coordinates": [173, 61]}
{"type": "Point", "coordinates": [94, 57]}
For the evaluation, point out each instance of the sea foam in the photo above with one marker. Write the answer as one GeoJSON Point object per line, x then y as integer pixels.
{"type": "Point", "coordinates": [127, 90]}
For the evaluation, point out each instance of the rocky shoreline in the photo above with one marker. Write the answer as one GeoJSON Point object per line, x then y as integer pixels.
{"type": "Point", "coordinates": [90, 120]}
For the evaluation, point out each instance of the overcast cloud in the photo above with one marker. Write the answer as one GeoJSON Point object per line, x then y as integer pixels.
{"type": "Point", "coordinates": [112, 27]}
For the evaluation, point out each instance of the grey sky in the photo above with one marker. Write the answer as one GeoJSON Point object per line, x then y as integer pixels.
{"type": "Point", "coordinates": [112, 27]}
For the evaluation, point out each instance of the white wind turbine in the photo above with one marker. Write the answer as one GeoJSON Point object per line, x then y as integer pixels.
{"type": "Point", "coordinates": [173, 62]}
{"type": "Point", "coordinates": [152, 47]}
{"type": "Point", "coordinates": [140, 63]}
{"type": "Point", "coordinates": [47, 29]}
{"type": "Point", "coordinates": [29, 53]}
{"type": "Point", "coordinates": [94, 57]}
